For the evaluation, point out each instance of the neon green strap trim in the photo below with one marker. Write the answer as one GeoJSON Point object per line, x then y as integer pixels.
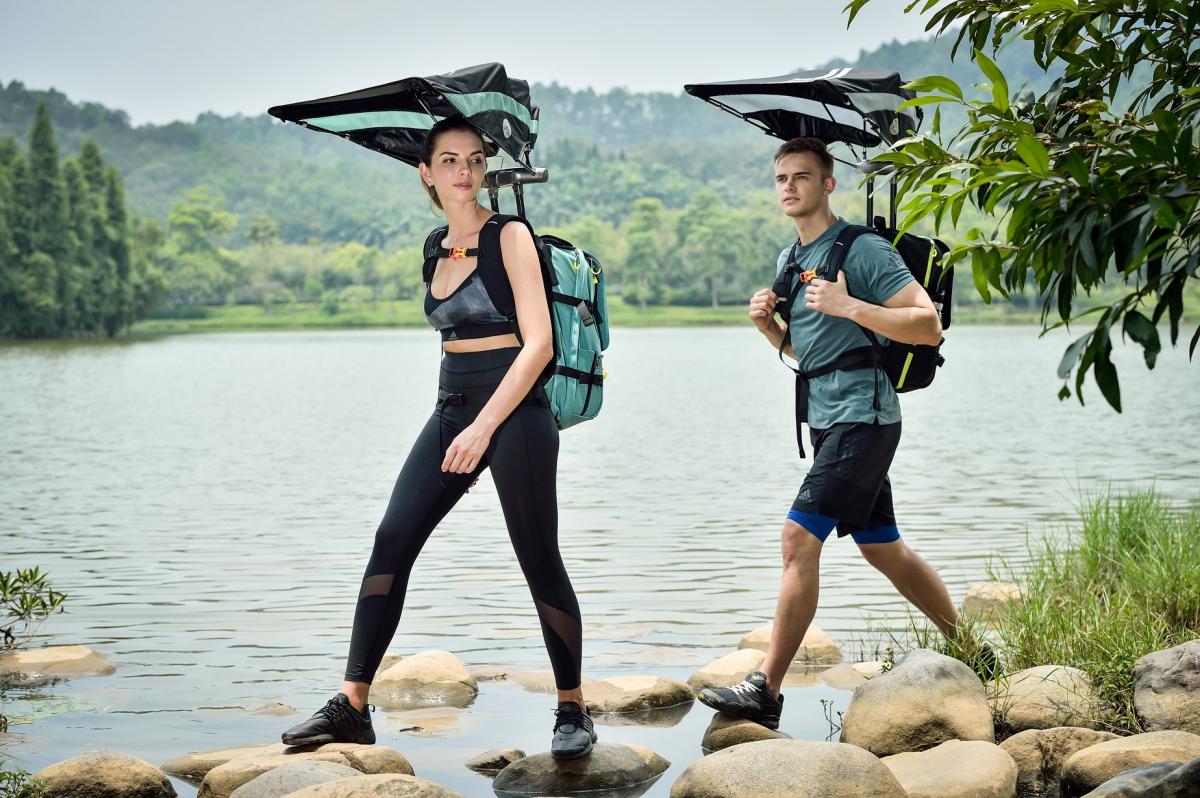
{"type": "Point", "coordinates": [929, 264]}
{"type": "Point", "coordinates": [343, 122]}
{"type": "Point", "coordinates": [904, 371]}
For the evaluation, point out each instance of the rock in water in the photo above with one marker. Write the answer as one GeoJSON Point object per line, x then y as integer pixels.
{"type": "Point", "coordinates": [1166, 779]}
{"type": "Point", "coordinates": [492, 762]}
{"type": "Point", "coordinates": [1166, 688]}
{"type": "Point", "coordinates": [724, 732]}
{"type": "Point", "coordinates": [608, 767]}
{"type": "Point", "coordinates": [293, 776]}
{"type": "Point", "coordinates": [728, 670]}
{"type": "Point", "coordinates": [788, 769]}
{"type": "Point", "coordinates": [54, 662]}
{"type": "Point", "coordinates": [635, 693]}
{"type": "Point", "coordinates": [956, 769]}
{"type": "Point", "coordinates": [924, 700]}
{"type": "Point", "coordinates": [383, 786]}
{"type": "Point", "coordinates": [815, 649]}
{"type": "Point", "coordinates": [195, 766]}
{"type": "Point", "coordinates": [1087, 769]}
{"type": "Point", "coordinates": [222, 780]}
{"type": "Point", "coordinates": [105, 774]}
{"type": "Point", "coordinates": [427, 679]}
{"type": "Point", "coordinates": [1044, 697]}
{"type": "Point", "coordinates": [989, 599]}
{"type": "Point", "coordinates": [1040, 754]}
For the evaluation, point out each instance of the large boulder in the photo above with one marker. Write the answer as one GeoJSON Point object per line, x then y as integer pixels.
{"type": "Point", "coordinates": [1040, 754]}
{"type": "Point", "coordinates": [385, 786]}
{"type": "Point", "coordinates": [988, 599]}
{"type": "Point", "coordinates": [222, 780]}
{"type": "Point", "coordinates": [104, 774]}
{"type": "Point", "coordinates": [608, 767]}
{"type": "Point", "coordinates": [492, 762]}
{"type": "Point", "coordinates": [788, 769]}
{"type": "Point", "coordinates": [1087, 769]}
{"type": "Point", "coordinates": [427, 679]}
{"type": "Point", "coordinates": [1045, 697]}
{"type": "Point", "coordinates": [924, 700]}
{"type": "Point", "coordinates": [815, 649]}
{"type": "Point", "coordinates": [725, 731]}
{"type": "Point", "coordinates": [729, 669]}
{"type": "Point", "coordinates": [956, 769]}
{"type": "Point", "coordinates": [293, 776]}
{"type": "Point", "coordinates": [195, 766]}
{"type": "Point", "coordinates": [1166, 688]}
{"type": "Point", "coordinates": [1166, 779]}
{"type": "Point", "coordinates": [635, 693]}
{"type": "Point", "coordinates": [54, 662]}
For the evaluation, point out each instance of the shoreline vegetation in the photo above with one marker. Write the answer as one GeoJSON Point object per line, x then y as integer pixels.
{"type": "Point", "coordinates": [1119, 581]}
{"type": "Point", "coordinates": [409, 314]}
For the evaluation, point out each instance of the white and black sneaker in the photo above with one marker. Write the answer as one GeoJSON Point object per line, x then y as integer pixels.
{"type": "Point", "coordinates": [336, 722]}
{"type": "Point", "coordinates": [573, 732]}
{"type": "Point", "coordinates": [750, 699]}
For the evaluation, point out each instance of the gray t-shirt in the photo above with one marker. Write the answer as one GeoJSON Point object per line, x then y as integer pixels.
{"type": "Point", "coordinates": [874, 273]}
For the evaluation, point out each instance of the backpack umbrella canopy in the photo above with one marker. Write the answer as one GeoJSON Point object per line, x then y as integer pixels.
{"type": "Point", "coordinates": [853, 106]}
{"type": "Point", "coordinates": [394, 118]}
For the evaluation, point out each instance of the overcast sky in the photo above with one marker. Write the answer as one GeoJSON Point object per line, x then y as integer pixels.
{"type": "Point", "coordinates": [167, 60]}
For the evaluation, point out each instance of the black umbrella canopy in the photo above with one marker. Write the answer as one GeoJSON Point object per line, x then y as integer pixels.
{"type": "Point", "coordinates": [394, 118]}
{"type": "Point", "coordinates": [853, 106]}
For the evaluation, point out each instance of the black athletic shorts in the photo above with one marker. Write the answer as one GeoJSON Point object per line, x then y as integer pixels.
{"type": "Point", "coordinates": [848, 480]}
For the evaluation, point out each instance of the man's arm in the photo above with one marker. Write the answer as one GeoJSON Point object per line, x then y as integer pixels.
{"type": "Point", "coordinates": [908, 316]}
{"type": "Point", "coordinates": [762, 313]}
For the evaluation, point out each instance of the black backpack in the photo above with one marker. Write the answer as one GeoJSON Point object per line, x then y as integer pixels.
{"type": "Point", "coordinates": [909, 367]}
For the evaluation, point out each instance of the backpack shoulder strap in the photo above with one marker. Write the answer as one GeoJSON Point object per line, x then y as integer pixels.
{"type": "Point", "coordinates": [430, 252]}
{"type": "Point", "coordinates": [841, 248]}
{"type": "Point", "coordinates": [833, 267]}
{"type": "Point", "coordinates": [491, 263]}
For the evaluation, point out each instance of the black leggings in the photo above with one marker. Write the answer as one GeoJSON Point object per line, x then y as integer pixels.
{"type": "Point", "coordinates": [523, 455]}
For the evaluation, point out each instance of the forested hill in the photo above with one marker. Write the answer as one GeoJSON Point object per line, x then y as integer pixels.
{"type": "Point", "coordinates": [603, 149]}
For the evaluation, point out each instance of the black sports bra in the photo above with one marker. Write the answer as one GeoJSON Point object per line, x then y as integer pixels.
{"type": "Point", "coordinates": [482, 305]}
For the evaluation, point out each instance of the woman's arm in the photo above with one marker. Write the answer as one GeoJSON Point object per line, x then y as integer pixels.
{"type": "Point", "coordinates": [520, 259]}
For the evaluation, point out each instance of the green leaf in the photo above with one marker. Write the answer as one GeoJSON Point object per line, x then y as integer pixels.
{"type": "Point", "coordinates": [1143, 331]}
{"type": "Point", "coordinates": [1195, 340]}
{"type": "Point", "coordinates": [1070, 357]}
{"type": "Point", "coordinates": [996, 76]}
{"type": "Point", "coordinates": [1034, 154]}
{"type": "Point", "coordinates": [979, 273]}
{"type": "Point", "coordinates": [935, 83]}
{"type": "Point", "coordinates": [928, 99]}
{"type": "Point", "coordinates": [1064, 393]}
{"type": "Point", "coordinates": [1106, 377]}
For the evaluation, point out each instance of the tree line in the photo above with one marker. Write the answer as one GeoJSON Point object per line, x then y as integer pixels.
{"type": "Point", "coordinates": [70, 263]}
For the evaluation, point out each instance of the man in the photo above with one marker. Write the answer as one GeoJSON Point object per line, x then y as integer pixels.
{"type": "Point", "coordinates": [853, 417]}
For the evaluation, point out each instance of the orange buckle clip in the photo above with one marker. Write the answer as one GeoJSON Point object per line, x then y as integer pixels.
{"type": "Point", "coordinates": [458, 253]}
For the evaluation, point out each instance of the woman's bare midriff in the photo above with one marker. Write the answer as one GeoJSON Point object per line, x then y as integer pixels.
{"type": "Point", "coordinates": [482, 344]}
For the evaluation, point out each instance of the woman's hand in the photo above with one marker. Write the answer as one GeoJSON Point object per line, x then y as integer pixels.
{"type": "Point", "coordinates": [466, 450]}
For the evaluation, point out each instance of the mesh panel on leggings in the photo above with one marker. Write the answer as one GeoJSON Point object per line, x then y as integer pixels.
{"type": "Point", "coordinates": [377, 585]}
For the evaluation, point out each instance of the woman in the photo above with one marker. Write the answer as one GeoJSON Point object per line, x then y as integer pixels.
{"type": "Point", "coordinates": [490, 412]}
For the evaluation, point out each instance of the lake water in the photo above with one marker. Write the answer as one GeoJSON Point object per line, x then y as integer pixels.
{"type": "Point", "coordinates": [209, 502]}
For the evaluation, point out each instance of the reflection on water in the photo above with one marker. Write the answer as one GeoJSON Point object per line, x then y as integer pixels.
{"type": "Point", "coordinates": [209, 502]}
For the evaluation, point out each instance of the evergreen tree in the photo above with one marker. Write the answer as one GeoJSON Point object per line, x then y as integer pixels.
{"type": "Point", "coordinates": [8, 252]}
{"type": "Point", "coordinates": [82, 264]}
{"type": "Point", "coordinates": [118, 312]}
{"type": "Point", "coordinates": [49, 233]}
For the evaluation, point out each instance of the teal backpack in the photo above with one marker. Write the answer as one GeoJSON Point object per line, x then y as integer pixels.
{"type": "Point", "coordinates": [574, 281]}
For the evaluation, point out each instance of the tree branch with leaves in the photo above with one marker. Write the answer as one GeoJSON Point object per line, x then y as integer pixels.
{"type": "Point", "coordinates": [1085, 189]}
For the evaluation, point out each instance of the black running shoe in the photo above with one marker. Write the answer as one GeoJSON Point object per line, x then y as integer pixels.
{"type": "Point", "coordinates": [987, 664]}
{"type": "Point", "coordinates": [750, 699]}
{"type": "Point", "coordinates": [336, 722]}
{"type": "Point", "coordinates": [573, 732]}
